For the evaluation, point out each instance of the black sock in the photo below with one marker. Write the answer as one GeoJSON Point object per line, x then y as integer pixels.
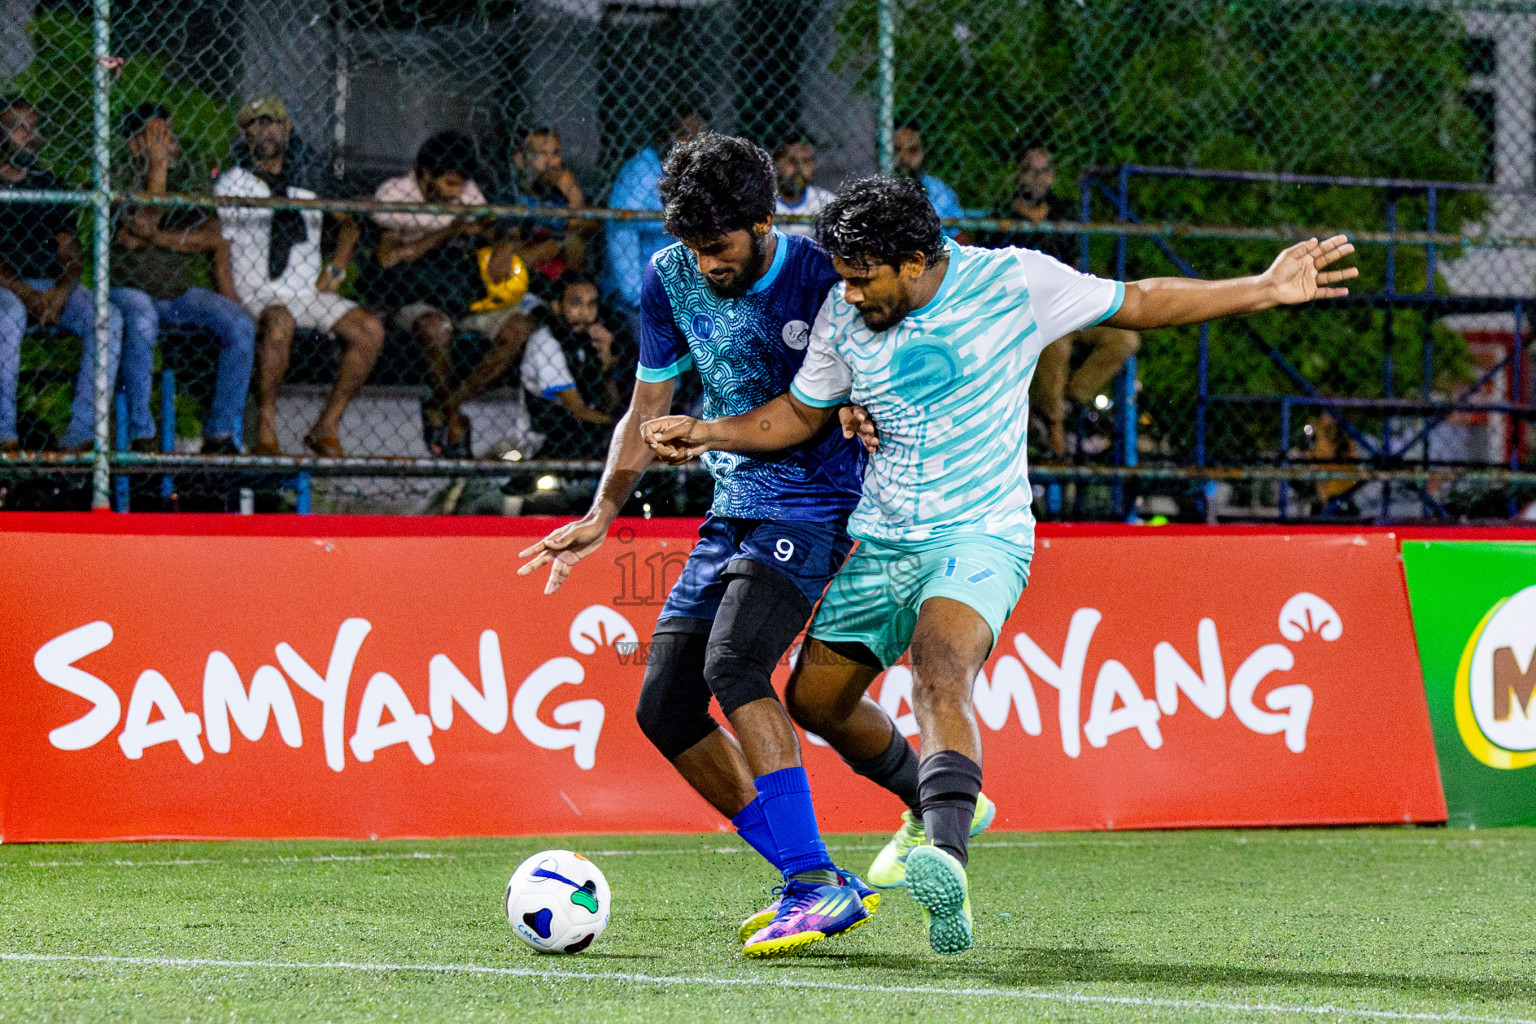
{"type": "Point", "coordinates": [896, 770]}
{"type": "Point", "coordinates": [949, 782]}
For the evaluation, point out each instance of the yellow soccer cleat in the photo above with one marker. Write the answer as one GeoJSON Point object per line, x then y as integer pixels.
{"type": "Point", "coordinates": [889, 870]}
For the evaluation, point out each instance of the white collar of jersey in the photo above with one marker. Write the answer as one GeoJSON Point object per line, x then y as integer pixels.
{"type": "Point", "coordinates": [780, 251]}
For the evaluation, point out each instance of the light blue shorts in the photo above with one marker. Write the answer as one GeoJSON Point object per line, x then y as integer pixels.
{"type": "Point", "coordinates": [875, 597]}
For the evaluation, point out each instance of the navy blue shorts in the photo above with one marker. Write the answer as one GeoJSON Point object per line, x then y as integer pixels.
{"type": "Point", "coordinates": [806, 554]}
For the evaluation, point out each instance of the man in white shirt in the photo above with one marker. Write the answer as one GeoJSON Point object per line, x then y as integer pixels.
{"type": "Point", "coordinates": [278, 274]}
{"type": "Point", "coordinates": [795, 164]}
{"type": "Point", "coordinates": [938, 342]}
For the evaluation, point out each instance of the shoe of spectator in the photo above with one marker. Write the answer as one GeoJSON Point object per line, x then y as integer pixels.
{"type": "Point", "coordinates": [144, 446]}
{"type": "Point", "coordinates": [10, 446]}
{"type": "Point", "coordinates": [325, 447]}
{"type": "Point", "coordinates": [219, 446]}
{"type": "Point", "coordinates": [463, 448]}
{"type": "Point", "coordinates": [267, 449]}
{"type": "Point", "coordinates": [434, 428]}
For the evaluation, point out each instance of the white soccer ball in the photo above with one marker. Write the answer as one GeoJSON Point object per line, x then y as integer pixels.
{"type": "Point", "coordinates": [557, 902]}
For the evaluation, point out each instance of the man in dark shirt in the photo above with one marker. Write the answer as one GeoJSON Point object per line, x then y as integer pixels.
{"type": "Point", "coordinates": [160, 260]}
{"type": "Point", "coordinates": [1034, 201]}
{"type": "Point", "coordinates": [591, 377]}
{"type": "Point", "coordinates": [40, 265]}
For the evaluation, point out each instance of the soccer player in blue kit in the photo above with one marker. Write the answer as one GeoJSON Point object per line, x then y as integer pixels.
{"type": "Point", "coordinates": [735, 300]}
{"type": "Point", "coordinates": [937, 342]}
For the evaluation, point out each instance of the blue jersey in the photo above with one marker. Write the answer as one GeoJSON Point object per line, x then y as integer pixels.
{"type": "Point", "coordinates": [747, 350]}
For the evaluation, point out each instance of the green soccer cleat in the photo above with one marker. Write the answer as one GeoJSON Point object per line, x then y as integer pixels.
{"type": "Point", "coordinates": [938, 884]}
{"type": "Point", "coordinates": [889, 871]}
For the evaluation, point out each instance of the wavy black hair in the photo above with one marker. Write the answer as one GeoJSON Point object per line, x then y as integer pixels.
{"type": "Point", "coordinates": [881, 221]}
{"type": "Point", "coordinates": [713, 184]}
{"type": "Point", "coordinates": [448, 151]}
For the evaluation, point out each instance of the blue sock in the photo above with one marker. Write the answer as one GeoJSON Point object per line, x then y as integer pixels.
{"type": "Point", "coordinates": [752, 826]}
{"type": "Point", "coordinates": [785, 796]}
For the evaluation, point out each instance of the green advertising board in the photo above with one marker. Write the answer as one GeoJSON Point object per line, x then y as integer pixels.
{"type": "Point", "coordinates": [1474, 614]}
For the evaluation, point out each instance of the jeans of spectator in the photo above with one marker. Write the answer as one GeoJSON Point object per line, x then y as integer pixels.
{"type": "Point", "coordinates": [196, 307]}
{"type": "Point", "coordinates": [79, 318]}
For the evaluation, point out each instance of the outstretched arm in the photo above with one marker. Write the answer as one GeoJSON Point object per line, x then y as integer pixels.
{"type": "Point", "coordinates": [628, 458]}
{"type": "Point", "coordinates": [1298, 275]}
{"type": "Point", "coordinates": [781, 423]}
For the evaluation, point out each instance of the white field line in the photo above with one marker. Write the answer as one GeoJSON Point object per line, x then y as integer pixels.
{"type": "Point", "coordinates": [615, 977]}
{"type": "Point", "coordinates": [1087, 843]}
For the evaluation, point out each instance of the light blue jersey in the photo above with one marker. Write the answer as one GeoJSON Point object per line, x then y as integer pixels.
{"type": "Point", "coordinates": [948, 388]}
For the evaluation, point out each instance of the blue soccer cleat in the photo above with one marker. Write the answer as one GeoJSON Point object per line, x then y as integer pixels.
{"type": "Point", "coordinates": [867, 896]}
{"type": "Point", "coordinates": [806, 914]}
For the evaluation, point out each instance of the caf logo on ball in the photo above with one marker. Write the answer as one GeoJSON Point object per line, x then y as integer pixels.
{"type": "Point", "coordinates": [1495, 697]}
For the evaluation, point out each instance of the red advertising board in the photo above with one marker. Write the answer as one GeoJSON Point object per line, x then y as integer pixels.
{"type": "Point", "coordinates": [234, 677]}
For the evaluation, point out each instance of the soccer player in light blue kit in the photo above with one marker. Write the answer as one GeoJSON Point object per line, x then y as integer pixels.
{"type": "Point", "coordinates": [937, 342]}
{"type": "Point", "coordinates": [735, 301]}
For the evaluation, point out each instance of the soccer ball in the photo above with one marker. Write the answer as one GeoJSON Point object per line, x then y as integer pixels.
{"type": "Point", "coordinates": [557, 902]}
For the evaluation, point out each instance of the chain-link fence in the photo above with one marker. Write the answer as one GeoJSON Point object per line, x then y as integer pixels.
{"type": "Point", "coordinates": [376, 256]}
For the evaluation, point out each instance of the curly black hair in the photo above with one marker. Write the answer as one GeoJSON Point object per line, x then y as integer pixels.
{"type": "Point", "coordinates": [713, 184]}
{"type": "Point", "coordinates": [881, 220]}
{"type": "Point", "coordinates": [448, 151]}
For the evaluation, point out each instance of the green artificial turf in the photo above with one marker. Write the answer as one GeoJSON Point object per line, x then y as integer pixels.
{"type": "Point", "coordinates": [1343, 924]}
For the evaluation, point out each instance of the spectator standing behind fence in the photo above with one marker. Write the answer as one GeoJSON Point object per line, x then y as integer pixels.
{"type": "Point", "coordinates": [1033, 200]}
{"type": "Point", "coordinates": [550, 247]}
{"type": "Point", "coordinates": [795, 164]}
{"type": "Point", "coordinates": [40, 265]}
{"type": "Point", "coordinates": [279, 277]}
{"type": "Point", "coordinates": [430, 266]}
{"type": "Point", "coordinates": [911, 154]}
{"type": "Point", "coordinates": [631, 244]}
{"type": "Point", "coordinates": [584, 370]}
{"type": "Point", "coordinates": [160, 257]}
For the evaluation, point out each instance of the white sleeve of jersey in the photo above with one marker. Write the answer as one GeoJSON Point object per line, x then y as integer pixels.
{"type": "Point", "coordinates": [824, 379]}
{"type": "Point", "coordinates": [545, 372]}
{"type": "Point", "coordinates": [1064, 299]}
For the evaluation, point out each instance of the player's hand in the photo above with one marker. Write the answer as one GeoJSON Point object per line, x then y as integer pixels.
{"type": "Point", "coordinates": [1299, 273]}
{"type": "Point", "coordinates": [858, 423]}
{"type": "Point", "coordinates": [563, 548]}
{"type": "Point", "coordinates": [675, 439]}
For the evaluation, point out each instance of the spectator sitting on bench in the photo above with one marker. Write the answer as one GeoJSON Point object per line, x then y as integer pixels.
{"type": "Point", "coordinates": [1055, 381]}
{"type": "Point", "coordinates": [577, 367]}
{"type": "Point", "coordinates": [911, 153]}
{"type": "Point", "coordinates": [430, 266]}
{"type": "Point", "coordinates": [540, 179]}
{"type": "Point", "coordinates": [159, 256]}
{"type": "Point", "coordinates": [40, 265]}
{"type": "Point", "coordinates": [795, 164]}
{"type": "Point", "coordinates": [278, 273]}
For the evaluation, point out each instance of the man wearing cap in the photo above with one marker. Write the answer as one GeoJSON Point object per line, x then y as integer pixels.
{"type": "Point", "coordinates": [161, 258]}
{"type": "Point", "coordinates": [281, 278]}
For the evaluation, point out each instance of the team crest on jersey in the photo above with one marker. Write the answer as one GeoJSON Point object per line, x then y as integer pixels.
{"type": "Point", "coordinates": [703, 326]}
{"type": "Point", "coordinates": [797, 334]}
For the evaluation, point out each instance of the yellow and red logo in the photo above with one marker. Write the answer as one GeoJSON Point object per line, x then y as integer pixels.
{"type": "Point", "coordinates": [1495, 696]}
